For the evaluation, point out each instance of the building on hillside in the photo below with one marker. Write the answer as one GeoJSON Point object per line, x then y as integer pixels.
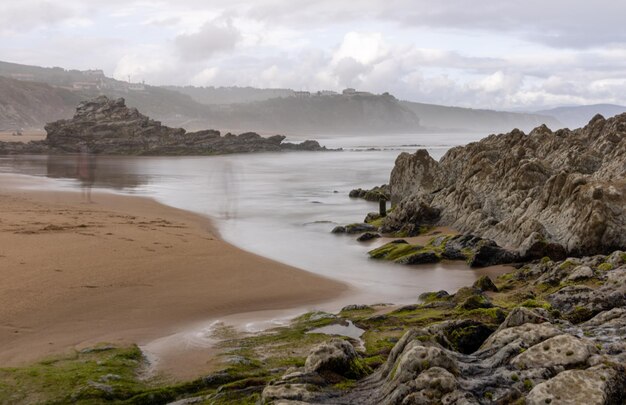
{"type": "Point", "coordinates": [85, 85]}
{"type": "Point", "coordinates": [327, 93]}
{"type": "Point", "coordinates": [97, 73]}
{"type": "Point", "coordinates": [23, 76]}
{"type": "Point", "coordinates": [302, 94]}
{"type": "Point", "coordinates": [352, 92]}
{"type": "Point", "coordinates": [137, 86]}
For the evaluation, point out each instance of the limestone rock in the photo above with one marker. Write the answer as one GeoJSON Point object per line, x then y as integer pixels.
{"type": "Point", "coordinates": [297, 392]}
{"type": "Point", "coordinates": [485, 284]}
{"type": "Point", "coordinates": [546, 192]}
{"type": "Point", "coordinates": [598, 385]}
{"type": "Point", "coordinates": [367, 236]}
{"type": "Point", "coordinates": [562, 350]}
{"type": "Point", "coordinates": [337, 356]}
{"type": "Point", "coordinates": [521, 315]}
{"type": "Point", "coordinates": [529, 333]}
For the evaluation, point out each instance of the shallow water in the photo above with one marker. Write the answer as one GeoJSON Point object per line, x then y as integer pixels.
{"type": "Point", "coordinates": [279, 205]}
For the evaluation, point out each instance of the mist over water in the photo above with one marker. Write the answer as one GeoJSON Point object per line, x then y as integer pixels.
{"type": "Point", "coordinates": [281, 205]}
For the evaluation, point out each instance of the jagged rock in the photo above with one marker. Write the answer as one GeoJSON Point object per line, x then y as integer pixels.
{"type": "Point", "coordinates": [529, 333]}
{"type": "Point", "coordinates": [616, 258]}
{"type": "Point", "coordinates": [371, 216]}
{"type": "Point", "coordinates": [488, 253]}
{"type": "Point", "coordinates": [580, 273]}
{"type": "Point", "coordinates": [296, 392]}
{"type": "Point", "coordinates": [564, 188]}
{"type": "Point", "coordinates": [375, 194]}
{"type": "Point", "coordinates": [524, 359]}
{"type": "Point", "coordinates": [419, 258]}
{"type": "Point", "coordinates": [416, 216]}
{"type": "Point", "coordinates": [355, 228]}
{"type": "Point", "coordinates": [367, 236]}
{"type": "Point", "coordinates": [600, 385]}
{"type": "Point", "coordinates": [562, 350]}
{"type": "Point", "coordinates": [476, 301]}
{"type": "Point", "coordinates": [337, 356]}
{"type": "Point", "coordinates": [431, 386]}
{"type": "Point", "coordinates": [579, 303]}
{"type": "Point", "coordinates": [485, 284]}
{"type": "Point", "coordinates": [104, 126]}
{"type": "Point", "coordinates": [521, 315]}
{"type": "Point", "coordinates": [355, 307]}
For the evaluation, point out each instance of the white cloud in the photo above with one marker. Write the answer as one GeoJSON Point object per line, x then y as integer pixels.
{"type": "Point", "coordinates": [213, 37]}
{"type": "Point", "coordinates": [482, 54]}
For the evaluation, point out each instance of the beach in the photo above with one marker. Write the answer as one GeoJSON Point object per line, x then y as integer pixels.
{"type": "Point", "coordinates": [123, 269]}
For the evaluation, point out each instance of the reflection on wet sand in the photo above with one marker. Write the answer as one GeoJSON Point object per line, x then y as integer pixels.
{"type": "Point", "coordinates": [86, 172]}
{"type": "Point", "coordinates": [261, 203]}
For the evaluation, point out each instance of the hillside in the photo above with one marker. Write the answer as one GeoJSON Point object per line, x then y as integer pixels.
{"type": "Point", "coordinates": [578, 116]}
{"type": "Point", "coordinates": [229, 95]}
{"type": "Point", "coordinates": [29, 105]}
{"type": "Point", "coordinates": [32, 96]}
{"type": "Point", "coordinates": [458, 118]}
{"type": "Point", "coordinates": [238, 108]}
{"type": "Point", "coordinates": [330, 113]}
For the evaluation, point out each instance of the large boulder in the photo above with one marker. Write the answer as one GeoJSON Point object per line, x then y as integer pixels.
{"type": "Point", "coordinates": [600, 385]}
{"type": "Point", "coordinates": [562, 350]}
{"type": "Point", "coordinates": [546, 193]}
{"type": "Point", "coordinates": [337, 357]}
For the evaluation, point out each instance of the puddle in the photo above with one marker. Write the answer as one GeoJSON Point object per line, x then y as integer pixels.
{"type": "Point", "coordinates": [345, 328]}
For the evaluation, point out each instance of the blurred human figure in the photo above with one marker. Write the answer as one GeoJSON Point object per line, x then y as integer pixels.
{"type": "Point", "coordinates": [86, 172]}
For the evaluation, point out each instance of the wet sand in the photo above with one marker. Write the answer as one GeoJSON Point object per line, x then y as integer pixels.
{"type": "Point", "coordinates": [124, 270]}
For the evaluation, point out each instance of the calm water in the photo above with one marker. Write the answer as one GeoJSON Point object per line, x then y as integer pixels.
{"type": "Point", "coordinates": [279, 205]}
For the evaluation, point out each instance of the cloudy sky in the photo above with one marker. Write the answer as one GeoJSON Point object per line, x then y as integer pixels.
{"type": "Point", "coordinates": [501, 54]}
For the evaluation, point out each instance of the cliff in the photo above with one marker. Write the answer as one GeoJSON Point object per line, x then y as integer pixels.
{"type": "Point", "coordinates": [104, 126]}
{"type": "Point", "coordinates": [537, 193]}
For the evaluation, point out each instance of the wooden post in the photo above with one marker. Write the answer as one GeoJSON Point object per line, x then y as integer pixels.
{"type": "Point", "coordinates": [382, 207]}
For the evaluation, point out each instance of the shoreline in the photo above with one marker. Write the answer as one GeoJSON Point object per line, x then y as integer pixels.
{"type": "Point", "coordinates": [130, 270]}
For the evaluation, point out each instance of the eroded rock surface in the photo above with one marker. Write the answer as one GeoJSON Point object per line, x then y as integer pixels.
{"type": "Point", "coordinates": [546, 193]}
{"type": "Point", "coordinates": [535, 355]}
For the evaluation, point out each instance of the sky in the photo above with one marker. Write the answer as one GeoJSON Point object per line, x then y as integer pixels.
{"type": "Point", "coordinates": [500, 54]}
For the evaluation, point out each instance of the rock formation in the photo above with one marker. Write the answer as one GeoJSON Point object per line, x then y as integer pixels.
{"type": "Point", "coordinates": [573, 352]}
{"type": "Point", "coordinates": [542, 193]}
{"type": "Point", "coordinates": [104, 126]}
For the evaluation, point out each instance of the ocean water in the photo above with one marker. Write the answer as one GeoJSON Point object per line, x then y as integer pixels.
{"type": "Point", "coordinates": [278, 205]}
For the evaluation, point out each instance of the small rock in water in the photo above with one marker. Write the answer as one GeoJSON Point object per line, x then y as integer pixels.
{"type": "Point", "coordinates": [367, 236]}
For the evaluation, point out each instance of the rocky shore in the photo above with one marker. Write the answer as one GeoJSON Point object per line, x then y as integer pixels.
{"type": "Point", "coordinates": [551, 331]}
{"type": "Point", "coordinates": [548, 333]}
{"type": "Point", "coordinates": [542, 194]}
{"type": "Point", "coordinates": [104, 126]}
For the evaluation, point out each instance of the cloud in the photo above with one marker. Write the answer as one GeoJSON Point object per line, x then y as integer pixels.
{"type": "Point", "coordinates": [492, 53]}
{"type": "Point", "coordinates": [213, 37]}
{"type": "Point", "coordinates": [30, 15]}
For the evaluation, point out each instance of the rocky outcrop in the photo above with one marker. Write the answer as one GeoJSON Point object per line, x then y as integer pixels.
{"type": "Point", "coordinates": [375, 194]}
{"type": "Point", "coordinates": [545, 194]}
{"type": "Point", "coordinates": [477, 252]}
{"type": "Point", "coordinates": [535, 355]}
{"type": "Point", "coordinates": [104, 126]}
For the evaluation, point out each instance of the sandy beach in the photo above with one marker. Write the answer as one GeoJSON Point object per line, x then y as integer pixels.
{"type": "Point", "coordinates": [26, 136]}
{"type": "Point", "coordinates": [121, 270]}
